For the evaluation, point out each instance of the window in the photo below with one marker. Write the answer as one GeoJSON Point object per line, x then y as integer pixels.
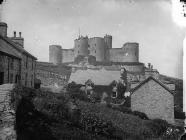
{"type": "Point", "coordinates": [95, 51]}
{"type": "Point", "coordinates": [114, 92]}
{"type": "Point", "coordinates": [78, 51]}
{"type": "Point", "coordinates": [95, 44]}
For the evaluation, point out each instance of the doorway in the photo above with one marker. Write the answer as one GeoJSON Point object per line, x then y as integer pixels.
{"type": "Point", "coordinates": [1, 78]}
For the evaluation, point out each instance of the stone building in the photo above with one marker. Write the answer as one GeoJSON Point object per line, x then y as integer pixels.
{"type": "Point", "coordinates": [101, 78]}
{"type": "Point", "coordinates": [17, 65]}
{"type": "Point", "coordinates": [154, 99]}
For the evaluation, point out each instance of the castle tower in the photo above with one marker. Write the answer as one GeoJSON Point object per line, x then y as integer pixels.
{"type": "Point", "coordinates": [81, 46]}
{"type": "Point", "coordinates": [131, 52]}
{"type": "Point", "coordinates": [97, 48]}
{"type": "Point", "coordinates": [55, 54]}
{"type": "Point", "coordinates": [108, 41]}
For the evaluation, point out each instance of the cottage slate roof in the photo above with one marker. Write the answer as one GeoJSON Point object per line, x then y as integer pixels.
{"type": "Point", "coordinates": [8, 50]}
{"type": "Point", "coordinates": [148, 79]}
{"type": "Point", "coordinates": [17, 47]}
{"type": "Point", "coordinates": [98, 77]}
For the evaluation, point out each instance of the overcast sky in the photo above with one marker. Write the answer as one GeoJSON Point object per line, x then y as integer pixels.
{"type": "Point", "coordinates": [148, 22]}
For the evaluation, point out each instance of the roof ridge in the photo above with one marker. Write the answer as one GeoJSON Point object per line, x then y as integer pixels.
{"type": "Point", "coordinates": [22, 50]}
{"type": "Point", "coordinates": [157, 81]}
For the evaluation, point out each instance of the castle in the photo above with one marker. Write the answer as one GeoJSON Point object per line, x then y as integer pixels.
{"type": "Point", "coordinates": [98, 50]}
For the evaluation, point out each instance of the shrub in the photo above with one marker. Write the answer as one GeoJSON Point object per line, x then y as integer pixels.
{"type": "Point", "coordinates": [163, 125]}
{"type": "Point", "coordinates": [121, 90]}
{"type": "Point", "coordinates": [95, 97]}
{"type": "Point", "coordinates": [127, 102]}
{"type": "Point", "coordinates": [73, 87]}
{"type": "Point", "coordinates": [94, 124]}
{"type": "Point", "coordinates": [79, 95]}
{"type": "Point", "coordinates": [140, 115]}
{"type": "Point", "coordinates": [125, 110]}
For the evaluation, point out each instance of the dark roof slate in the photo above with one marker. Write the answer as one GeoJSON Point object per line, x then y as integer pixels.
{"type": "Point", "coordinates": [9, 51]}
{"type": "Point", "coordinates": [17, 47]}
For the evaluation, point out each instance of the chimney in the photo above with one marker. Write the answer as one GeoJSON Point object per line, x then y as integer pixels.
{"type": "Point", "coordinates": [20, 34]}
{"type": "Point", "coordinates": [14, 33]}
{"type": "Point", "coordinates": [149, 65]}
{"type": "Point", "coordinates": [18, 39]}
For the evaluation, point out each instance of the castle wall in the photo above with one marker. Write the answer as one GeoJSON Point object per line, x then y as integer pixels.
{"type": "Point", "coordinates": [97, 48]}
{"type": "Point", "coordinates": [116, 55]}
{"type": "Point", "coordinates": [81, 46]}
{"type": "Point", "coordinates": [55, 55]}
{"type": "Point", "coordinates": [68, 55]}
{"type": "Point", "coordinates": [128, 53]}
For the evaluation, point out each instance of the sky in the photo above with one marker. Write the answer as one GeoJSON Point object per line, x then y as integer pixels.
{"type": "Point", "coordinates": [148, 22]}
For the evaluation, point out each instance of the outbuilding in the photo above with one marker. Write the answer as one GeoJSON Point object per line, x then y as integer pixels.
{"type": "Point", "coordinates": [154, 99]}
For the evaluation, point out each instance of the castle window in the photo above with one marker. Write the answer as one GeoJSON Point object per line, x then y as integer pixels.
{"type": "Point", "coordinates": [78, 51]}
{"type": "Point", "coordinates": [95, 51]}
{"type": "Point", "coordinates": [95, 44]}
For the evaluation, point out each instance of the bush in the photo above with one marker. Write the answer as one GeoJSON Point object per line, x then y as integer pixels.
{"type": "Point", "coordinates": [79, 95]}
{"type": "Point", "coordinates": [125, 110]}
{"type": "Point", "coordinates": [140, 115]}
{"type": "Point", "coordinates": [94, 124]}
{"type": "Point", "coordinates": [73, 87]}
{"type": "Point", "coordinates": [162, 124]}
{"type": "Point", "coordinates": [127, 102]}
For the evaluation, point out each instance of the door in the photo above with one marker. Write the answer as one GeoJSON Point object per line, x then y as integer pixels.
{"type": "Point", "coordinates": [1, 78]}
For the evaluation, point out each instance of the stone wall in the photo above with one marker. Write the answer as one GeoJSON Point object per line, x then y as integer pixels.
{"type": "Point", "coordinates": [28, 71]}
{"type": "Point", "coordinates": [154, 100]}
{"type": "Point", "coordinates": [7, 113]}
{"type": "Point", "coordinates": [9, 69]}
{"type": "Point", "coordinates": [52, 75]}
{"type": "Point", "coordinates": [67, 55]}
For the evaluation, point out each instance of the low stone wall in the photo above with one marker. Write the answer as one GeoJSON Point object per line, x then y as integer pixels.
{"type": "Point", "coordinates": [7, 113]}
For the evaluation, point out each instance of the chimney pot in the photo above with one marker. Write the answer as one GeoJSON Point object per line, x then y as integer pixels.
{"type": "Point", "coordinates": [19, 34]}
{"type": "Point", "coordinates": [14, 33]}
{"type": "Point", "coordinates": [149, 65]}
